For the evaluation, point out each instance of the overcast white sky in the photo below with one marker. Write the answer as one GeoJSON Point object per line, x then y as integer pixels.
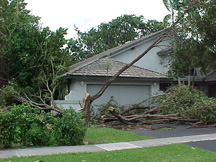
{"type": "Point", "coordinates": [86, 14]}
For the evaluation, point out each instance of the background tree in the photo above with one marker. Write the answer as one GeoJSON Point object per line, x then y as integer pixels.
{"type": "Point", "coordinates": [195, 39]}
{"type": "Point", "coordinates": [114, 33]}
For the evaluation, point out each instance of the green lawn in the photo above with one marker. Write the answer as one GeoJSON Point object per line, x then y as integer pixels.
{"type": "Point", "coordinates": [168, 153]}
{"type": "Point", "coordinates": [95, 135]}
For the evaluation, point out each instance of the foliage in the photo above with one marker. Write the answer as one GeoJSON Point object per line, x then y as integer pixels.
{"type": "Point", "coordinates": [19, 124]}
{"type": "Point", "coordinates": [78, 50]}
{"type": "Point", "coordinates": [39, 59]}
{"type": "Point", "coordinates": [195, 37]}
{"type": "Point", "coordinates": [188, 102]}
{"type": "Point", "coordinates": [102, 109]}
{"type": "Point", "coordinates": [70, 128]}
{"type": "Point", "coordinates": [6, 93]}
{"type": "Point", "coordinates": [167, 153]}
{"type": "Point", "coordinates": [24, 125]}
{"type": "Point", "coordinates": [35, 57]}
{"type": "Point", "coordinates": [114, 33]}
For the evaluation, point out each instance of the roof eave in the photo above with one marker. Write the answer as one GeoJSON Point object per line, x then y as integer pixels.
{"type": "Point", "coordinates": [105, 77]}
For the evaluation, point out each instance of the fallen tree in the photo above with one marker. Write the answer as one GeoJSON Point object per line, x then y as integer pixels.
{"type": "Point", "coordinates": [181, 103]}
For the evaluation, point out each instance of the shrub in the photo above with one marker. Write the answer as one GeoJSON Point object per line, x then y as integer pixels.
{"type": "Point", "coordinates": [41, 132]}
{"type": "Point", "coordinates": [19, 123]}
{"type": "Point", "coordinates": [70, 128]}
{"type": "Point", "coordinates": [24, 125]}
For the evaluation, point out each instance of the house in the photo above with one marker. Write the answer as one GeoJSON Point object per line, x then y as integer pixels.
{"type": "Point", "coordinates": [145, 78]}
{"type": "Point", "coordinates": [210, 84]}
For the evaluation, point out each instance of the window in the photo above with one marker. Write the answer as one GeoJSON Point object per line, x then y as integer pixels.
{"type": "Point", "coordinates": [164, 86]}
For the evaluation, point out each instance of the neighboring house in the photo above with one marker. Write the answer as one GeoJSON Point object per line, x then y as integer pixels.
{"type": "Point", "coordinates": [145, 78]}
{"type": "Point", "coordinates": [210, 84]}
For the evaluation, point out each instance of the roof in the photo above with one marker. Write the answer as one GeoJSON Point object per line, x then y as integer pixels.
{"type": "Point", "coordinates": [115, 50]}
{"type": "Point", "coordinates": [98, 68]}
{"type": "Point", "coordinates": [96, 65]}
{"type": "Point", "coordinates": [211, 77]}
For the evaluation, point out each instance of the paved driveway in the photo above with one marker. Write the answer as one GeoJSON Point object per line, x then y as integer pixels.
{"type": "Point", "coordinates": [179, 131]}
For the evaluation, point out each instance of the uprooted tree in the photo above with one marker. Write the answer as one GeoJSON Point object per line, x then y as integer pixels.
{"type": "Point", "coordinates": [33, 58]}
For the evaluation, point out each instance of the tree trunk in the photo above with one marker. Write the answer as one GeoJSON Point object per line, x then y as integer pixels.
{"type": "Point", "coordinates": [86, 105]}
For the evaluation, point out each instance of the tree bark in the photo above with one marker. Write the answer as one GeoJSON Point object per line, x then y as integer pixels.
{"type": "Point", "coordinates": [26, 100]}
{"type": "Point", "coordinates": [85, 106]}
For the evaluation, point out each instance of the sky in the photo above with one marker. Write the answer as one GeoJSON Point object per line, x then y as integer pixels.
{"type": "Point", "coordinates": [86, 14]}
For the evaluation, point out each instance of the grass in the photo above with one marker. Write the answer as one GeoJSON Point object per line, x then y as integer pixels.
{"type": "Point", "coordinates": [168, 153]}
{"type": "Point", "coordinates": [96, 135]}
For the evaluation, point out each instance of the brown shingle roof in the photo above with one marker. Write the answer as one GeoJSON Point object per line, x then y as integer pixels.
{"type": "Point", "coordinates": [98, 68]}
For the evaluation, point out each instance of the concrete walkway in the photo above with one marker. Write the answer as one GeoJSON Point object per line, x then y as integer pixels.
{"type": "Point", "coordinates": [106, 147]}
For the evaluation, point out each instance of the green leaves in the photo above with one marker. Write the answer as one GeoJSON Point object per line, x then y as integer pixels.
{"type": "Point", "coordinates": [166, 20]}
{"type": "Point", "coordinates": [24, 125]}
{"type": "Point", "coordinates": [167, 4]}
{"type": "Point", "coordinates": [189, 103]}
{"type": "Point", "coordinates": [194, 45]}
{"type": "Point", "coordinates": [35, 57]}
{"type": "Point", "coordinates": [70, 128]}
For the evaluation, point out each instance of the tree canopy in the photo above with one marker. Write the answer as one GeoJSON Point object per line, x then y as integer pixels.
{"type": "Point", "coordinates": [114, 33]}
{"type": "Point", "coordinates": [34, 57]}
{"type": "Point", "coordinates": [195, 39]}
